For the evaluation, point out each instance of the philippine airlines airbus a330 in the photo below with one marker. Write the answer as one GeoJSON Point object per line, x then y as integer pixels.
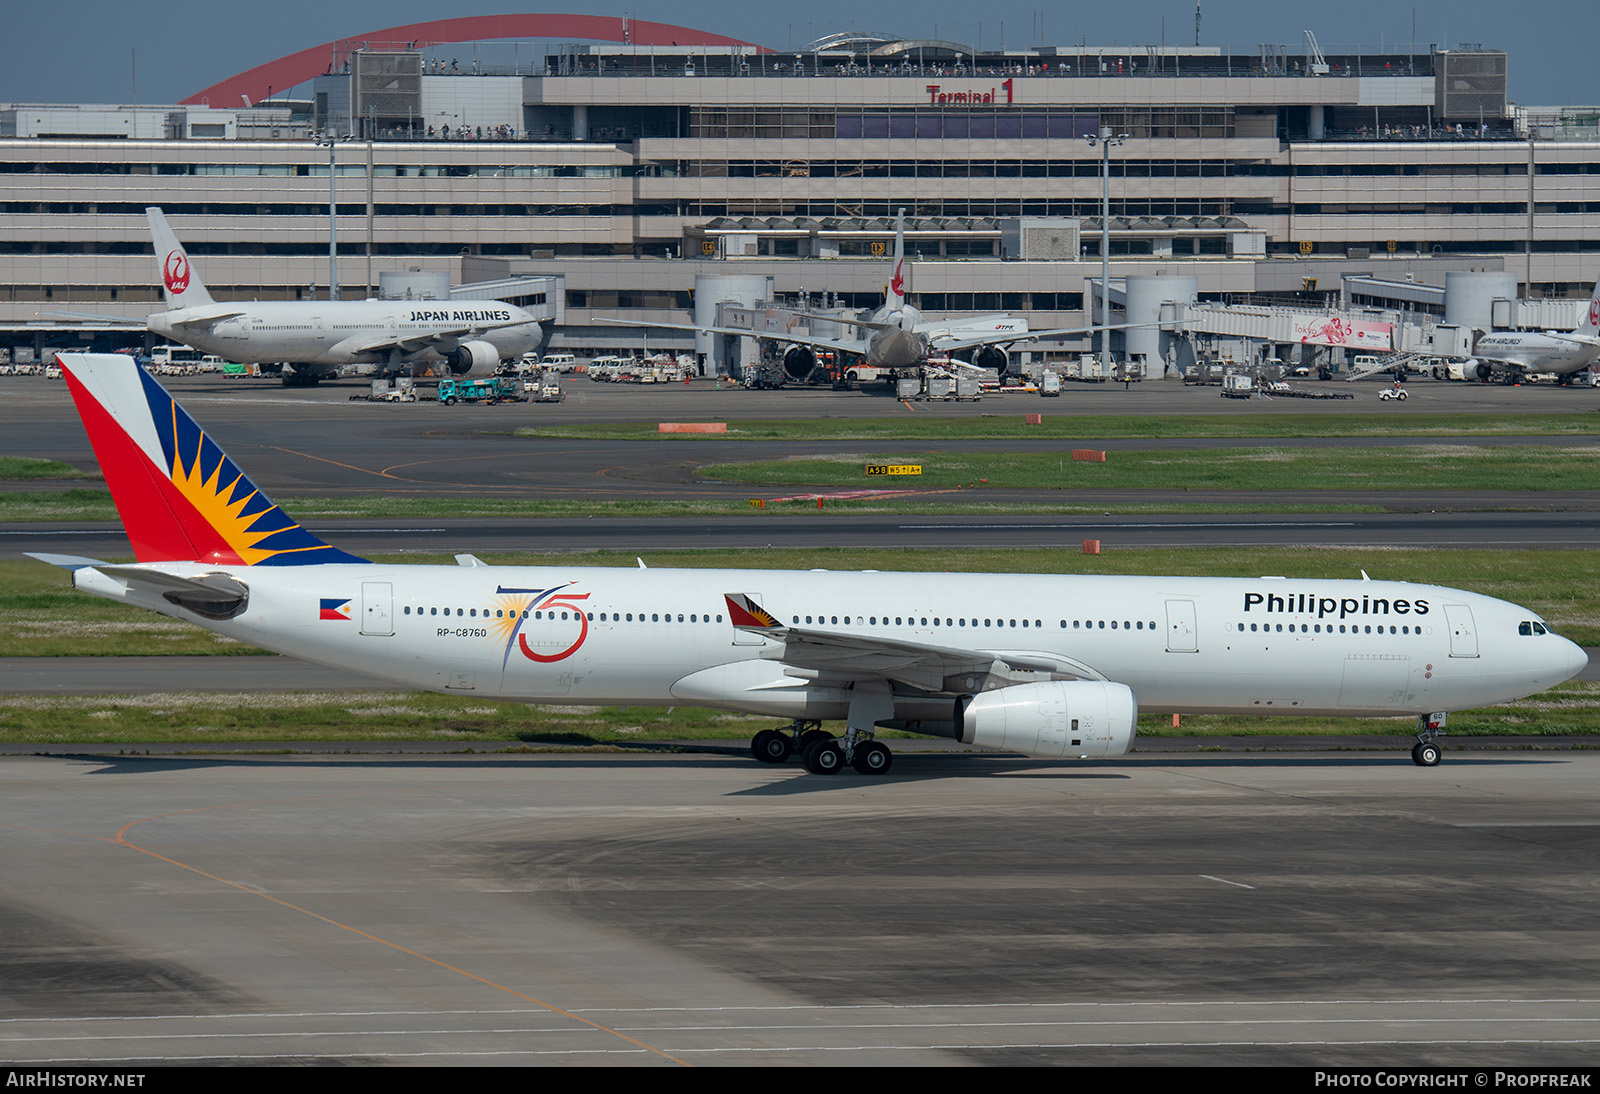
{"type": "Point", "coordinates": [1048, 665]}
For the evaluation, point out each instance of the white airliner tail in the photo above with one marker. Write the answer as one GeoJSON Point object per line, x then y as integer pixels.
{"type": "Point", "coordinates": [180, 282]}
{"type": "Point", "coordinates": [1589, 321]}
{"type": "Point", "coordinates": [896, 292]}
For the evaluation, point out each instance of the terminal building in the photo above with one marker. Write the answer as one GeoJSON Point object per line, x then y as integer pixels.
{"type": "Point", "coordinates": [634, 161]}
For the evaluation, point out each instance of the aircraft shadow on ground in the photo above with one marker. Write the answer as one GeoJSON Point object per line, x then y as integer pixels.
{"type": "Point", "coordinates": [791, 777]}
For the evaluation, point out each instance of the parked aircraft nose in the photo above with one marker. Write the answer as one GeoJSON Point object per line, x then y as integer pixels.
{"type": "Point", "coordinates": [1576, 659]}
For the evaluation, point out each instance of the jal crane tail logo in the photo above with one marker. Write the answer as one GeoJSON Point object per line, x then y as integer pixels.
{"type": "Point", "coordinates": [1594, 312]}
{"type": "Point", "coordinates": [175, 272]}
{"type": "Point", "coordinates": [899, 282]}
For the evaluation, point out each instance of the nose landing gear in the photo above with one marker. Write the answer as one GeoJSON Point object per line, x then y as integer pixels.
{"type": "Point", "coordinates": [1426, 752]}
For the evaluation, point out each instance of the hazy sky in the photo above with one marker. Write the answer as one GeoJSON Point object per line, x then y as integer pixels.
{"type": "Point", "coordinates": [71, 51]}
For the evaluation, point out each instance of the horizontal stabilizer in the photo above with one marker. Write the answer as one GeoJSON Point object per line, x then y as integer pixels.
{"type": "Point", "coordinates": [66, 562]}
{"type": "Point", "coordinates": [210, 319]}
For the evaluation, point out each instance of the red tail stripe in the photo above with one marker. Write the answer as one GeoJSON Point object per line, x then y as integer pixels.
{"type": "Point", "coordinates": [161, 523]}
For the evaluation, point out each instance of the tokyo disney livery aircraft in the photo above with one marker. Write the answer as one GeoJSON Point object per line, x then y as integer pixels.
{"type": "Point", "coordinates": [316, 337]}
{"type": "Point", "coordinates": [1053, 666]}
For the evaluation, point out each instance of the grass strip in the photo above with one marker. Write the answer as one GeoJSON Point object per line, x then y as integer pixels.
{"type": "Point", "coordinates": [1572, 709]}
{"type": "Point", "coordinates": [28, 467]}
{"type": "Point", "coordinates": [95, 505]}
{"type": "Point", "coordinates": [1257, 420]}
{"type": "Point", "coordinates": [1441, 467]}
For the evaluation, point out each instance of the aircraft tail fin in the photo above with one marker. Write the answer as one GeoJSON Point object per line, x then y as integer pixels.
{"type": "Point", "coordinates": [1589, 321]}
{"type": "Point", "coordinates": [744, 612]}
{"type": "Point", "coordinates": [180, 282]}
{"type": "Point", "coordinates": [180, 497]}
{"type": "Point", "coordinates": [897, 284]}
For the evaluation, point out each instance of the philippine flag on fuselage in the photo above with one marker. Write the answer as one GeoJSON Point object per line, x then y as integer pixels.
{"type": "Point", "coordinates": [334, 608]}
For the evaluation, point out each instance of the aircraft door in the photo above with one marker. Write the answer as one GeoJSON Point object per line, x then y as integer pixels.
{"type": "Point", "coordinates": [1463, 634]}
{"type": "Point", "coordinates": [377, 607]}
{"type": "Point", "coordinates": [1182, 635]}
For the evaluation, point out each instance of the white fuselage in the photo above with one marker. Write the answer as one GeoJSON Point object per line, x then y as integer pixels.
{"type": "Point", "coordinates": [909, 336]}
{"type": "Point", "coordinates": [643, 637]}
{"type": "Point", "coordinates": [1557, 353]}
{"type": "Point", "coordinates": [338, 332]}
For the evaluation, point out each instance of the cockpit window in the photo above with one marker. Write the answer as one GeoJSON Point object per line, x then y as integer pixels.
{"type": "Point", "coordinates": [1530, 627]}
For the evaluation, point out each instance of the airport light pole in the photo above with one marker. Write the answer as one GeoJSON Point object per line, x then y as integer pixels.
{"type": "Point", "coordinates": [1105, 140]}
{"type": "Point", "coordinates": [328, 138]}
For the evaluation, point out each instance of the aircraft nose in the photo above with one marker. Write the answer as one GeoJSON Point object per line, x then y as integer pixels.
{"type": "Point", "coordinates": [1576, 659]}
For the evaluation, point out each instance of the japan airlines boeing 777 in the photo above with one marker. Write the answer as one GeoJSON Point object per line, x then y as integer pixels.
{"type": "Point", "coordinates": [316, 337]}
{"type": "Point", "coordinates": [1049, 665]}
{"type": "Point", "coordinates": [1516, 353]}
{"type": "Point", "coordinates": [896, 335]}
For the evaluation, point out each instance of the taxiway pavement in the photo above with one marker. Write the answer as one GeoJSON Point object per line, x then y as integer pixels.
{"type": "Point", "coordinates": [1318, 909]}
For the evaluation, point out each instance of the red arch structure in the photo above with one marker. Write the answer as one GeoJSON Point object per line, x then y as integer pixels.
{"type": "Point", "coordinates": [297, 68]}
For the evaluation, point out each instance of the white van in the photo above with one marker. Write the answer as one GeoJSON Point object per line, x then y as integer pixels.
{"type": "Point", "coordinates": [559, 362]}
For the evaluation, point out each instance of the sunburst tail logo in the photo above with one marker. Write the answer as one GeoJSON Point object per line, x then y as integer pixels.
{"type": "Point", "coordinates": [179, 495]}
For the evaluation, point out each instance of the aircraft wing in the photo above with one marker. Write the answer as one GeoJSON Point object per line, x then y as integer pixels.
{"type": "Point", "coordinates": [930, 667]}
{"type": "Point", "coordinates": [838, 345]}
{"type": "Point", "coordinates": [417, 341]}
{"type": "Point", "coordinates": [958, 340]}
{"type": "Point", "coordinates": [844, 321]}
{"type": "Point", "coordinates": [119, 320]}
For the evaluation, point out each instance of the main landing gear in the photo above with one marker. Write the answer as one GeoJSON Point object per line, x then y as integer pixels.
{"type": "Point", "coordinates": [1426, 752]}
{"type": "Point", "coordinates": [820, 751]}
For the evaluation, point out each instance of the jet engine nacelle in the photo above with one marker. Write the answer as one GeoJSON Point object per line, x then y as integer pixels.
{"type": "Point", "coordinates": [1052, 720]}
{"type": "Point", "coordinates": [992, 357]}
{"type": "Point", "coordinates": [799, 362]}
{"type": "Point", "coordinates": [1479, 369]}
{"type": "Point", "coordinates": [473, 359]}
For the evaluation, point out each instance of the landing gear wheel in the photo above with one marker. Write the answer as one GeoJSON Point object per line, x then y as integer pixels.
{"type": "Point", "coordinates": [1426, 754]}
{"type": "Point", "coordinates": [770, 747]}
{"type": "Point", "coordinates": [811, 737]}
{"type": "Point", "coordinates": [825, 758]}
{"type": "Point", "coordinates": [873, 758]}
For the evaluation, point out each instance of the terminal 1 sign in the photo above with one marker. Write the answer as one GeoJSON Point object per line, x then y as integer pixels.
{"type": "Point", "coordinates": [937, 96]}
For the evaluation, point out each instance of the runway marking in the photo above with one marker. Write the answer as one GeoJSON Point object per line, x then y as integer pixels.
{"type": "Point", "coordinates": [757, 1049]}
{"type": "Point", "coordinates": [1225, 881]}
{"type": "Point", "coordinates": [1130, 1044]}
{"type": "Point", "coordinates": [1530, 824]}
{"type": "Point", "coordinates": [473, 1031]}
{"type": "Point", "coordinates": [121, 838]}
{"type": "Point", "coordinates": [943, 1020]}
{"type": "Point", "coordinates": [786, 1008]}
{"type": "Point", "coordinates": [1176, 525]}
